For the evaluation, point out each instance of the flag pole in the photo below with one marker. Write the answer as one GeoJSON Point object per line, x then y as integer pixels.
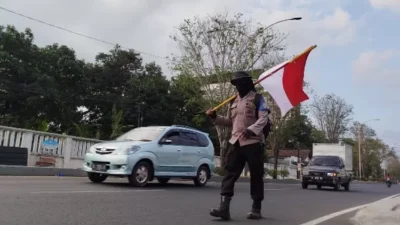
{"type": "Point", "coordinates": [273, 72]}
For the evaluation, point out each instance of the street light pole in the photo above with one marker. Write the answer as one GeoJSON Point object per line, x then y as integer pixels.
{"type": "Point", "coordinates": [280, 21]}
{"type": "Point", "coordinates": [269, 26]}
{"type": "Point", "coordinates": [359, 151]}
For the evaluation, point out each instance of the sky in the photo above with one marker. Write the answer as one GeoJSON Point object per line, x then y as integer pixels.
{"type": "Point", "coordinates": [355, 58]}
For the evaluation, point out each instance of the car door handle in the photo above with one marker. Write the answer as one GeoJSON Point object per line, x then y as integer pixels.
{"type": "Point", "coordinates": [178, 150]}
{"type": "Point", "coordinates": [199, 151]}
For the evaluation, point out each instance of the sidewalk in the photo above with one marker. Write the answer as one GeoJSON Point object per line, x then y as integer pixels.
{"type": "Point", "coordinates": [385, 212]}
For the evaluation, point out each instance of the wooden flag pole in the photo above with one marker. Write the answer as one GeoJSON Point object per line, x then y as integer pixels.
{"type": "Point", "coordinates": [272, 73]}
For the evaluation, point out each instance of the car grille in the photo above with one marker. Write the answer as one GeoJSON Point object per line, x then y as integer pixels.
{"type": "Point", "coordinates": [106, 151]}
{"type": "Point", "coordinates": [314, 173]}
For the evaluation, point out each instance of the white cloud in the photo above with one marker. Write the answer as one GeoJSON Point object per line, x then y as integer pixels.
{"type": "Point", "coordinates": [393, 5]}
{"type": "Point", "coordinates": [377, 66]}
{"type": "Point", "coordinates": [145, 25]}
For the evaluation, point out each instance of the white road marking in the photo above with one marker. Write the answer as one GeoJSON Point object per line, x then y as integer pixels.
{"type": "Point", "coordinates": [93, 191]}
{"type": "Point", "coordinates": [336, 214]}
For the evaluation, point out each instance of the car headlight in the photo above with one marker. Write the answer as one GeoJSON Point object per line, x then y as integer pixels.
{"type": "Point", "coordinates": [91, 150]}
{"type": "Point", "coordinates": [334, 174]}
{"type": "Point", "coordinates": [129, 151]}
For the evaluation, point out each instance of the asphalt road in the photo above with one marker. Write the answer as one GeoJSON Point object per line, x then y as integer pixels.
{"type": "Point", "coordinates": [76, 201]}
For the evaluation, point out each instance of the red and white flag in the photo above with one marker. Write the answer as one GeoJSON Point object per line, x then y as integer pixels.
{"type": "Point", "coordinates": [284, 82]}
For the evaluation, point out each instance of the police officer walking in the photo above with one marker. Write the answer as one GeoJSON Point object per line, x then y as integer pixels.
{"type": "Point", "coordinates": [248, 117]}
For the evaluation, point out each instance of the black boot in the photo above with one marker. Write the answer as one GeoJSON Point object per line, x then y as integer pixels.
{"type": "Point", "coordinates": [255, 213]}
{"type": "Point", "coordinates": [223, 210]}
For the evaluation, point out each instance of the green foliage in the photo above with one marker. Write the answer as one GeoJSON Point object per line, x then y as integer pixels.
{"type": "Point", "coordinates": [272, 173]}
{"type": "Point", "coordinates": [49, 89]}
{"type": "Point", "coordinates": [116, 119]}
{"type": "Point", "coordinates": [284, 173]}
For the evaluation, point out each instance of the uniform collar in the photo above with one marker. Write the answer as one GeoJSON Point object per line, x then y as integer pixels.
{"type": "Point", "coordinates": [251, 93]}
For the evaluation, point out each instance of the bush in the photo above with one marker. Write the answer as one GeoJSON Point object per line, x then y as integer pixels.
{"type": "Point", "coordinates": [284, 173]}
{"type": "Point", "coordinates": [219, 171]}
{"type": "Point", "coordinates": [272, 173]}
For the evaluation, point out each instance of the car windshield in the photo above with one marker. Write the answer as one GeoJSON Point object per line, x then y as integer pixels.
{"type": "Point", "coordinates": [141, 134]}
{"type": "Point", "coordinates": [324, 161]}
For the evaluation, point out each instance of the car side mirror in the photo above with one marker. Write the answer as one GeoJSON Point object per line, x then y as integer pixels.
{"type": "Point", "coordinates": [166, 141]}
{"type": "Point", "coordinates": [341, 166]}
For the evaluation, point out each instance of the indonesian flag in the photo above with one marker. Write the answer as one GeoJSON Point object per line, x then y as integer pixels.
{"type": "Point", "coordinates": [284, 82]}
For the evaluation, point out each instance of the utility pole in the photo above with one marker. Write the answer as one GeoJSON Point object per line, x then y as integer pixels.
{"type": "Point", "coordinates": [359, 150]}
{"type": "Point", "coordinates": [298, 161]}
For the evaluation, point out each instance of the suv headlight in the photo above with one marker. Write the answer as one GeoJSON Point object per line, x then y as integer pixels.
{"type": "Point", "coordinates": [129, 151]}
{"type": "Point", "coordinates": [334, 174]}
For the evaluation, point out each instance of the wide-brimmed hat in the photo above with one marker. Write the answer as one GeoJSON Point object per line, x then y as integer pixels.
{"type": "Point", "coordinates": [239, 75]}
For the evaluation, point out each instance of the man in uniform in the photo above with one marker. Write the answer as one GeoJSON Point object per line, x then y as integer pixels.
{"type": "Point", "coordinates": [247, 120]}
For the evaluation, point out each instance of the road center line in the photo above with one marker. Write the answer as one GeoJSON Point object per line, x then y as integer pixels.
{"type": "Point", "coordinates": [93, 191]}
{"type": "Point", "coordinates": [336, 214]}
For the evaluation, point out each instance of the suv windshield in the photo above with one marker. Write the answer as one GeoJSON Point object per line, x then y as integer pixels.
{"type": "Point", "coordinates": [141, 134]}
{"type": "Point", "coordinates": [324, 161]}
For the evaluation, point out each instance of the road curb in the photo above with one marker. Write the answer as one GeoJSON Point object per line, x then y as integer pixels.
{"type": "Point", "coordinates": [39, 171]}
{"type": "Point", "coordinates": [46, 171]}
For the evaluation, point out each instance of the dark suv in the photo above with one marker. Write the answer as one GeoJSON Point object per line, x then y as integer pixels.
{"type": "Point", "coordinates": [326, 170]}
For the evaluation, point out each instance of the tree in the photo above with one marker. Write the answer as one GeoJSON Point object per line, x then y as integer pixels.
{"type": "Point", "coordinates": [213, 47]}
{"type": "Point", "coordinates": [19, 80]}
{"type": "Point", "coordinates": [332, 115]}
{"type": "Point", "coordinates": [280, 133]}
{"type": "Point", "coordinates": [116, 122]}
{"type": "Point", "coordinates": [59, 69]}
{"type": "Point", "coordinates": [299, 130]}
{"type": "Point", "coordinates": [188, 96]}
{"type": "Point", "coordinates": [393, 167]}
{"type": "Point", "coordinates": [34, 81]}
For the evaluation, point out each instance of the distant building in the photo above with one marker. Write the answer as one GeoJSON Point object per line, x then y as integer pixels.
{"type": "Point", "coordinates": [285, 153]}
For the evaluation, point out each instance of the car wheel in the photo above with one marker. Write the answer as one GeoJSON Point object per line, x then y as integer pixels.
{"type": "Point", "coordinates": [336, 187]}
{"type": "Point", "coordinates": [319, 186]}
{"type": "Point", "coordinates": [304, 185]}
{"type": "Point", "coordinates": [162, 180]}
{"type": "Point", "coordinates": [346, 186]}
{"type": "Point", "coordinates": [140, 175]}
{"type": "Point", "coordinates": [203, 173]}
{"type": "Point", "coordinates": [97, 177]}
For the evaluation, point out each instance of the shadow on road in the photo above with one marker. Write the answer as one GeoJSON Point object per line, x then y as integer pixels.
{"type": "Point", "coordinates": [233, 219]}
{"type": "Point", "coordinates": [170, 185]}
{"type": "Point", "coordinates": [353, 191]}
{"type": "Point", "coordinates": [331, 190]}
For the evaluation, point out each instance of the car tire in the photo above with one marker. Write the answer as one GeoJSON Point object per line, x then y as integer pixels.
{"type": "Point", "coordinates": [319, 186]}
{"type": "Point", "coordinates": [203, 173]}
{"type": "Point", "coordinates": [163, 180]}
{"type": "Point", "coordinates": [304, 185]}
{"type": "Point", "coordinates": [346, 186]}
{"type": "Point", "coordinates": [140, 174]}
{"type": "Point", "coordinates": [97, 177]}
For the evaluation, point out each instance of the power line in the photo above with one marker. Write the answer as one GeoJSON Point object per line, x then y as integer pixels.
{"type": "Point", "coordinates": [76, 33]}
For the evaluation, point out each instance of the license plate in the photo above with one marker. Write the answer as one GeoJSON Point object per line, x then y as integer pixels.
{"type": "Point", "coordinates": [99, 167]}
{"type": "Point", "coordinates": [317, 178]}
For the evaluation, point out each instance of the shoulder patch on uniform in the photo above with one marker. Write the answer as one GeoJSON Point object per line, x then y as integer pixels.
{"type": "Point", "coordinates": [263, 105]}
